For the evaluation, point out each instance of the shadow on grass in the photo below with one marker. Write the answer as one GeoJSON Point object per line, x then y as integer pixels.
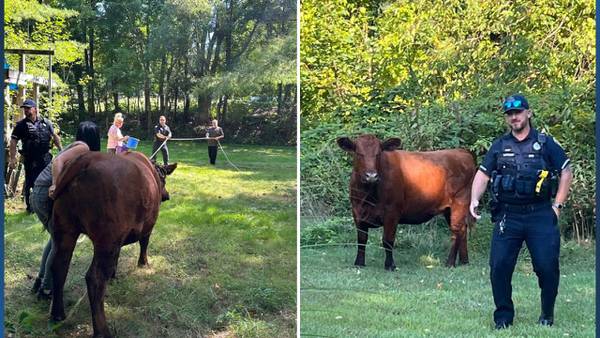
{"type": "Point", "coordinates": [222, 258]}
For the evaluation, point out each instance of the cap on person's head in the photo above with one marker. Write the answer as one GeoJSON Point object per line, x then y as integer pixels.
{"type": "Point", "coordinates": [515, 102]}
{"type": "Point", "coordinates": [29, 103]}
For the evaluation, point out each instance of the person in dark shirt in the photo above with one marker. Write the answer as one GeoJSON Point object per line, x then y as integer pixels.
{"type": "Point", "coordinates": [87, 139]}
{"type": "Point", "coordinates": [526, 170]}
{"type": "Point", "coordinates": [162, 133]}
{"type": "Point", "coordinates": [213, 135]}
{"type": "Point", "coordinates": [36, 134]}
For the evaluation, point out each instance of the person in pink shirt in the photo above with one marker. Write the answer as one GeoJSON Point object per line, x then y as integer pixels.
{"type": "Point", "coordinates": [115, 137]}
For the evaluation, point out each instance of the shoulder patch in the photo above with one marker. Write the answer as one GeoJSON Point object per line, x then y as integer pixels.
{"type": "Point", "coordinates": [542, 138]}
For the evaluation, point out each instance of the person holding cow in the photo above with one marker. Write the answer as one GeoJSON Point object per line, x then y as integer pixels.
{"type": "Point", "coordinates": [161, 134]}
{"type": "Point", "coordinates": [115, 137]}
{"type": "Point", "coordinates": [87, 139]}
{"type": "Point", "coordinates": [213, 134]}
{"type": "Point", "coordinates": [526, 169]}
{"type": "Point", "coordinates": [36, 134]}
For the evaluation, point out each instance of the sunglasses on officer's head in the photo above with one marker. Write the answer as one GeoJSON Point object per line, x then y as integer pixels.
{"type": "Point", "coordinates": [512, 104]}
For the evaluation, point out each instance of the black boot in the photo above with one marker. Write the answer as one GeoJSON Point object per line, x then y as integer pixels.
{"type": "Point", "coordinates": [546, 320]}
{"type": "Point", "coordinates": [501, 325]}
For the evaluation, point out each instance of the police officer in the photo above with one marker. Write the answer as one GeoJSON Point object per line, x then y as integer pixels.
{"type": "Point", "coordinates": [161, 134]}
{"type": "Point", "coordinates": [526, 170]}
{"type": "Point", "coordinates": [35, 133]}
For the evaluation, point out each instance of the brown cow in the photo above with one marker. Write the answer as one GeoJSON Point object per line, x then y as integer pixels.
{"type": "Point", "coordinates": [114, 200]}
{"type": "Point", "coordinates": [390, 186]}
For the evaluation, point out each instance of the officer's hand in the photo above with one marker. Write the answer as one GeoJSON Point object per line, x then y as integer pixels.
{"type": "Point", "coordinates": [12, 163]}
{"type": "Point", "coordinates": [473, 209]}
{"type": "Point", "coordinates": [126, 138]}
{"type": "Point", "coordinates": [556, 211]}
{"type": "Point", "coordinates": [51, 191]}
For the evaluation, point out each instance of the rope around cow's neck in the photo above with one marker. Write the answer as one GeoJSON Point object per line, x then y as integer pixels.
{"type": "Point", "coordinates": [192, 139]}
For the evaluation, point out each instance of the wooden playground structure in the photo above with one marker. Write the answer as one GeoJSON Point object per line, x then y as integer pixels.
{"type": "Point", "coordinates": [18, 85]}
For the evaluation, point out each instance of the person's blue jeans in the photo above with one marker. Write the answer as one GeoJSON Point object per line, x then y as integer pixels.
{"type": "Point", "coordinates": [42, 206]}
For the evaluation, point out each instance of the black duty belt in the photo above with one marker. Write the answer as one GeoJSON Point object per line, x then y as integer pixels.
{"type": "Point", "coordinates": [524, 208]}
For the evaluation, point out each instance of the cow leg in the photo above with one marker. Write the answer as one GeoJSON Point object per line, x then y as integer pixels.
{"type": "Point", "coordinates": [390, 223]}
{"type": "Point", "coordinates": [114, 274]}
{"type": "Point", "coordinates": [63, 243]}
{"type": "Point", "coordinates": [454, 239]}
{"type": "Point", "coordinates": [456, 219]}
{"type": "Point", "coordinates": [462, 249]}
{"type": "Point", "coordinates": [101, 269]}
{"type": "Point", "coordinates": [362, 232]}
{"type": "Point", "coordinates": [143, 260]}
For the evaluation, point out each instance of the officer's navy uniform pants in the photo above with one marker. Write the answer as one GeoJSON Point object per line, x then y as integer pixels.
{"type": "Point", "coordinates": [33, 168]}
{"type": "Point", "coordinates": [538, 228]}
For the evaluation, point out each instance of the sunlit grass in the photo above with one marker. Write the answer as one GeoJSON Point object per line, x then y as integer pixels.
{"type": "Point", "coordinates": [424, 298]}
{"type": "Point", "coordinates": [222, 255]}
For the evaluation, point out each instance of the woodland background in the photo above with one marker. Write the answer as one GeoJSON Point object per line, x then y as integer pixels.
{"type": "Point", "coordinates": [190, 60]}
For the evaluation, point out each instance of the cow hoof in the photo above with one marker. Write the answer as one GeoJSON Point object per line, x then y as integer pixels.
{"type": "Point", "coordinates": [464, 262]}
{"type": "Point", "coordinates": [391, 268]}
{"type": "Point", "coordinates": [359, 265]}
{"type": "Point", "coordinates": [142, 265]}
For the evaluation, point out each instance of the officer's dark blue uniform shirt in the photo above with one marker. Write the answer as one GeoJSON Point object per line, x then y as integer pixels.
{"type": "Point", "coordinates": [25, 128]}
{"type": "Point", "coordinates": [554, 155]}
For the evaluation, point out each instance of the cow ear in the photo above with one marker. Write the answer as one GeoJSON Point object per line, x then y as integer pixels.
{"type": "Point", "coordinates": [391, 144]}
{"type": "Point", "coordinates": [346, 144]}
{"type": "Point", "coordinates": [170, 168]}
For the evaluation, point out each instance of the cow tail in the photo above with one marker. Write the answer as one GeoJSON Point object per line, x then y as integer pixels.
{"type": "Point", "coordinates": [470, 220]}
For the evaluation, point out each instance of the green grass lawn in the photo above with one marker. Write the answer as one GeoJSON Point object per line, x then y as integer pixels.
{"type": "Point", "coordinates": [222, 256]}
{"type": "Point", "coordinates": [423, 298]}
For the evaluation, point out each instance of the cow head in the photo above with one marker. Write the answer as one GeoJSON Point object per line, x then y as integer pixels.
{"type": "Point", "coordinates": [367, 150]}
{"type": "Point", "coordinates": [163, 171]}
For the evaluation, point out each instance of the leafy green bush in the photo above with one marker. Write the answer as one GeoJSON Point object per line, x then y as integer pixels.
{"type": "Point", "coordinates": [434, 74]}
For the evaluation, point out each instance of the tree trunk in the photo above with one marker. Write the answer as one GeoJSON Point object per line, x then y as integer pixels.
{"type": "Point", "coordinates": [147, 107]}
{"type": "Point", "coordinates": [168, 84]}
{"type": "Point", "coordinates": [116, 102]}
{"type": "Point", "coordinates": [204, 103]}
{"type": "Point", "coordinates": [90, 72]}
{"type": "Point", "coordinates": [279, 98]}
{"type": "Point", "coordinates": [161, 83]}
{"type": "Point", "coordinates": [78, 72]}
{"type": "Point", "coordinates": [176, 98]}
{"type": "Point", "coordinates": [186, 107]}
{"type": "Point", "coordinates": [224, 112]}
{"type": "Point", "coordinates": [219, 106]}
